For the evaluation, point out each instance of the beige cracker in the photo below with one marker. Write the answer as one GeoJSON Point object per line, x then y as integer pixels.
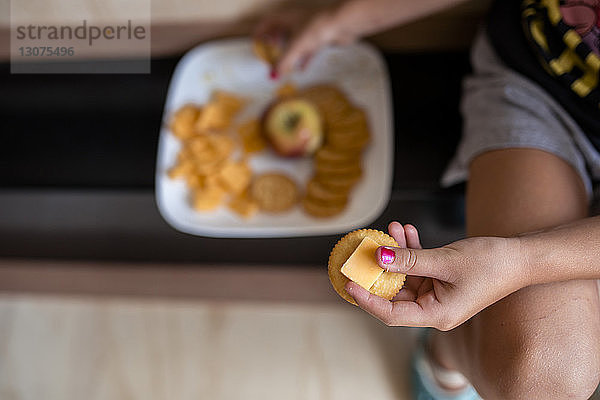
{"type": "Point", "coordinates": [386, 286]}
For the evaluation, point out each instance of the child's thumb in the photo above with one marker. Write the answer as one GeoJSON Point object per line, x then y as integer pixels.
{"type": "Point", "coordinates": [429, 263]}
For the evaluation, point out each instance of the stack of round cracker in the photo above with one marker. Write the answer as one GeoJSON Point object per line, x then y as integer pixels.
{"type": "Point", "coordinates": [337, 165]}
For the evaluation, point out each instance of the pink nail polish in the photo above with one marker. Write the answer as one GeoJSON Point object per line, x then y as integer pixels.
{"type": "Point", "coordinates": [387, 255]}
{"type": "Point", "coordinates": [274, 75]}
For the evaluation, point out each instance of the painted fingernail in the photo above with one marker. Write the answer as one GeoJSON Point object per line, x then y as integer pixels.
{"type": "Point", "coordinates": [387, 255]}
{"type": "Point", "coordinates": [274, 74]}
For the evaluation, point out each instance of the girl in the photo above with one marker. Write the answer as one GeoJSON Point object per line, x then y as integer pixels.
{"type": "Point", "coordinates": [518, 315]}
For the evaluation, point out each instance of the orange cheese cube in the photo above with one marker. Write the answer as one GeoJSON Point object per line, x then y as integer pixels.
{"type": "Point", "coordinates": [209, 198]}
{"type": "Point", "coordinates": [362, 266]}
{"type": "Point", "coordinates": [235, 176]}
{"type": "Point", "coordinates": [244, 206]}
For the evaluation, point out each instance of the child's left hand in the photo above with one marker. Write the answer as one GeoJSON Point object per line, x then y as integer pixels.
{"type": "Point", "coordinates": [445, 286]}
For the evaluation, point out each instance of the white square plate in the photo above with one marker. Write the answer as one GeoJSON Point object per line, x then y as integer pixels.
{"type": "Point", "coordinates": [230, 65]}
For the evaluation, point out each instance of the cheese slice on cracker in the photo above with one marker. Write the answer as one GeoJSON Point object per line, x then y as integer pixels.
{"type": "Point", "coordinates": [361, 267]}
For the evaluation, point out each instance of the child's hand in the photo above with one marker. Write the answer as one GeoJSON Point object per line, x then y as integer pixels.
{"type": "Point", "coordinates": [303, 32]}
{"type": "Point", "coordinates": [444, 286]}
{"type": "Point", "coordinates": [344, 23]}
{"type": "Point", "coordinates": [278, 27]}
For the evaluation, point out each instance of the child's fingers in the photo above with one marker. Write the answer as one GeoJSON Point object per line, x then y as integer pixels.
{"type": "Point", "coordinates": [425, 287]}
{"type": "Point", "coordinates": [409, 290]}
{"type": "Point", "coordinates": [398, 313]}
{"type": "Point", "coordinates": [396, 231]}
{"type": "Point", "coordinates": [412, 237]}
{"type": "Point", "coordinates": [304, 61]}
{"type": "Point", "coordinates": [405, 294]}
{"type": "Point", "coordinates": [432, 263]}
{"type": "Point", "coordinates": [301, 50]}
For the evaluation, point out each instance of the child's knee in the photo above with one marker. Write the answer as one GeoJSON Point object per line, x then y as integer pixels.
{"type": "Point", "coordinates": [538, 366]}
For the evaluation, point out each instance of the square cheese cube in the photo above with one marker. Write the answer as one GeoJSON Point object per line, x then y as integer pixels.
{"type": "Point", "coordinates": [235, 176]}
{"type": "Point", "coordinates": [209, 198]}
{"type": "Point", "coordinates": [362, 266]}
{"type": "Point", "coordinates": [243, 205]}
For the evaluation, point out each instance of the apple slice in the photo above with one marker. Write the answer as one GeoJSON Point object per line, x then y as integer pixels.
{"type": "Point", "coordinates": [293, 127]}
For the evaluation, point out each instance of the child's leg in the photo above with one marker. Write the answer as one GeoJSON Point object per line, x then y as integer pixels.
{"type": "Point", "coordinates": [542, 341]}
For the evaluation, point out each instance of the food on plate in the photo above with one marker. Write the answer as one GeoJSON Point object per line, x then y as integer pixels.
{"type": "Point", "coordinates": [205, 158]}
{"type": "Point", "coordinates": [353, 258]}
{"type": "Point", "coordinates": [330, 100]}
{"type": "Point", "coordinates": [329, 154]}
{"type": "Point", "coordinates": [230, 102]}
{"type": "Point", "coordinates": [293, 127]}
{"type": "Point", "coordinates": [244, 205]}
{"type": "Point", "coordinates": [218, 114]}
{"type": "Point", "coordinates": [183, 121]}
{"type": "Point", "coordinates": [348, 138]}
{"type": "Point", "coordinates": [251, 136]}
{"type": "Point", "coordinates": [322, 209]}
{"type": "Point", "coordinates": [337, 164]}
{"type": "Point", "coordinates": [269, 51]}
{"type": "Point", "coordinates": [318, 120]}
{"type": "Point", "coordinates": [287, 89]}
{"type": "Point", "coordinates": [235, 176]}
{"type": "Point", "coordinates": [201, 157]}
{"type": "Point", "coordinates": [332, 167]}
{"type": "Point", "coordinates": [215, 169]}
{"type": "Point", "coordinates": [211, 159]}
{"type": "Point", "coordinates": [212, 118]}
{"type": "Point", "coordinates": [181, 170]}
{"type": "Point", "coordinates": [339, 179]}
{"type": "Point", "coordinates": [274, 192]}
{"type": "Point", "coordinates": [208, 198]}
{"type": "Point", "coordinates": [316, 190]}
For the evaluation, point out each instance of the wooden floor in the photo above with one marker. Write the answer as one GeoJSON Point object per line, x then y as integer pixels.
{"type": "Point", "coordinates": [97, 331]}
{"type": "Point", "coordinates": [127, 343]}
{"type": "Point", "coordinates": [82, 348]}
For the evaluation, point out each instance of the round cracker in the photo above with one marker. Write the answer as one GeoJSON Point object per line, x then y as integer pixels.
{"type": "Point", "coordinates": [352, 117]}
{"type": "Point", "coordinates": [344, 185]}
{"type": "Point", "coordinates": [274, 192]}
{"type": "Point", "coordinates": [330, 154]}
{"type": "Point", "coordinates": [331, 102]}
{"type": "Point", "coordinates": [351, 167]}
{"type": "Point", "coordinates": [338, 181]}
{"type": "Point", "coordinates": [348, 132]}
{"type": "Point", "coordinates": [348, 140]}
{"type": "Point", "coordinates": [386, 284]}
{"type": "Point", "coordinates": [320, 209]}
{"type": "Point", "coordinates": [325, 94]}
{"type": "Point", "coordinates": [317, 190]}
{"type": "Point", "coordinates": [334, 111]}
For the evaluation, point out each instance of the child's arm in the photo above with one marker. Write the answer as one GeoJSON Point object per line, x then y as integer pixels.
{"type": "Point", "coordinates": [365, 17]}
{"type": "Point", "coordinates": [344, 24]}
{"type": "Point", "coordinates": [563, 253]}
{"type": "Point", "coordinates": [466, 276]}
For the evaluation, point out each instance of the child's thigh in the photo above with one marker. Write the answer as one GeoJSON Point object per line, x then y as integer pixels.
{"type": "Point", "coordinates": [514, 191]}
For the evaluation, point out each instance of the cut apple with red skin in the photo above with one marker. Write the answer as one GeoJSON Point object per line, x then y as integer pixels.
{"type": "Point", "coordinates": [293, 127]}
